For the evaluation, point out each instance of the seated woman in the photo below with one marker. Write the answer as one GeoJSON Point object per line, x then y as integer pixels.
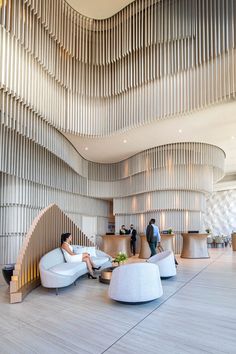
{"type": "Point", "coordinates": [66, 239]}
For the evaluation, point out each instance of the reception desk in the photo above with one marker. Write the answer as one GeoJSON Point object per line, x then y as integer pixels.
{"type": "Point", "coordinates": [113, 244]}
{"type": "Point", "coordinates": [233, 236]}
{"type": "Point", "coordinates": [194, 246]}
{"type": "Point", "coordinates": [167, 242]}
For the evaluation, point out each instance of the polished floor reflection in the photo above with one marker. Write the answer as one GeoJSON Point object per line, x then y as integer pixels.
{"type": "Point", "coordinates": [196, 314]}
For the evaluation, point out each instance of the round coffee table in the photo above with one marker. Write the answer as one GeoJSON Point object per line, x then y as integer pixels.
{"type": "Point", "coordinates": [106, 274]}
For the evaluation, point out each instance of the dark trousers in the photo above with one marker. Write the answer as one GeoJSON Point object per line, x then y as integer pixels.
{"type": "Point", "coordinates": [153, 246]}
{"type": "Point", "coordinates": [133, 246]}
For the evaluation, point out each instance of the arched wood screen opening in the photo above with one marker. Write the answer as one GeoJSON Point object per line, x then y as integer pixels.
{"type": "Point", "coordinates": [42, 237]}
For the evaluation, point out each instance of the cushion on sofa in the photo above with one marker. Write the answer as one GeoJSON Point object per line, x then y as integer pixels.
{"type": "Point", "coordinates": [82, 249]}
{"type": "Point", "coordinates": [68, 268]}
{"type": "Point", "coordinates": [91, 251]}
{"type": "Point", "coordinates": [100, 260]}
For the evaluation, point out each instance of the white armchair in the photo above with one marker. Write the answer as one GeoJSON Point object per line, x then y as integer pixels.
{"type": "Point", "coordinates": [166, 263]}
{"type": "Point", "coordinates": [135, 283]}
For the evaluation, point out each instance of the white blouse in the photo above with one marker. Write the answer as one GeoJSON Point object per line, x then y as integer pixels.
{"type": "Point", "coordinates": [72, 259]}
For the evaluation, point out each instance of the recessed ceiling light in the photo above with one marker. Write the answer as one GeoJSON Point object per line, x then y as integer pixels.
{"type": "Point", "coordinates": [124, 141]}
{"type": "Point", "coordinates": [180, 130]}
{"type": "Point", "coordinates": [86, 148]}
{"type": "Point", "coordinates": [232, 137]}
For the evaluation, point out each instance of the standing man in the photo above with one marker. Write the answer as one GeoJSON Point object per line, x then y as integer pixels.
{"type": "Point", "coordinates": [133, 234]}
{"type": "Point", "coordinates": [153, 236]}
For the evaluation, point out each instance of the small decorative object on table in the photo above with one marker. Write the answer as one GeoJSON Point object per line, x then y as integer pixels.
{"type": "Point", "coordinates": [120, 258]}
{"type": "Point", "coordinates": [106, 273]}
{"type": "Point", "coordinates": [170, 231]}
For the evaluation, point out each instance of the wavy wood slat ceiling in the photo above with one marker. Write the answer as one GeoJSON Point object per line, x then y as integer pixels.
{"type": "Point", "coordinates": [99, 9]}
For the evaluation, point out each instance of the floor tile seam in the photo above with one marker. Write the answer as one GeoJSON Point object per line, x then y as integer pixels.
{"type": "Point", "coordinates": [184, 284]}
{"type": "Point", "coordinates": [214, 286]}
{"type": "Point", "coordinates": [15, 327]}
{"type": "Point", "coordinates": [162, 303]}
{"type": "Point", "coordinates": [51, 334]}
{"type": "Point", "coordinates": [31, 322]}
{"type": "Point", "coordinates": [4, 336]}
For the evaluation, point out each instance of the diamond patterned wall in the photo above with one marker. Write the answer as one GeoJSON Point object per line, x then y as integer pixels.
{"type": "Point", "coordinates": [220, 214]}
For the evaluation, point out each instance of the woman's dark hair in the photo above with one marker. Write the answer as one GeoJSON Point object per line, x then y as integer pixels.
{"type": "Point", "coordinates": [65, 236]}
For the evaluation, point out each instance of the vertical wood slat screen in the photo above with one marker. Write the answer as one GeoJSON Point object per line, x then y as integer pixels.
{"type": "Point", "coordinates": [160, 200]}
{"type": "Point", "coordinates": [184, 153]}
{"type": "Point", "coordinates": [177, 166]}
{"type": "Point", "coordinates": [153, 60]}
{"type": "Point", "coordinates": [43, 236]}
{"type": "Point", "coordinates": [178, 55]}
{"type": "Point", "coordinates": [168, 168]}
{"type": "Point", "coordinates": [169, 184]}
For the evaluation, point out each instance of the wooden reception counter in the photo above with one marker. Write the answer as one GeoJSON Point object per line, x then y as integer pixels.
{"type": "Point", "coordinates": [194, 246]}
{"type": "Point", "coordinates": [113, 244]}
{"type": "Point", "coordinates": [233, 237]}
{"type": "Point", "coordinates": [167, 242]}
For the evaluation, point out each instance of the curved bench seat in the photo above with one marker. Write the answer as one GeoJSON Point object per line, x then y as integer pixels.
{"type": "Point", "coordinates": [56, 273]}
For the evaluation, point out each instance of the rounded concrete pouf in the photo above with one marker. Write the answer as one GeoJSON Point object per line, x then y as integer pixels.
{"type": "Point", "coordinates": [135, 283]}
{"type": "Point", "coordinates": [166, 263]}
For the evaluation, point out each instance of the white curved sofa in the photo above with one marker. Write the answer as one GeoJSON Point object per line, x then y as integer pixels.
{"type": "Point", "coordinates": [56, 273]}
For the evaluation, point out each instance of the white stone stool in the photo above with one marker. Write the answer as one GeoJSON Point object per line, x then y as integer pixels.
{"type": "Point", "coordinates": [134, 283]}
{"type": "Point", "coordinates": [166, 263]}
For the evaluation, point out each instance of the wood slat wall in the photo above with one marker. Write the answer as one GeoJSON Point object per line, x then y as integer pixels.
{"type": "Point", "coordinates": [62, 71]}
{"type": "Point", "coordinates": [179, 55]}
{"type": "Point", "coordinates": [43, 236]}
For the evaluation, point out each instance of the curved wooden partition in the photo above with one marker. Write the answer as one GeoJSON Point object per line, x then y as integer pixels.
{"type": "Point", "coordinates": [42, 237]}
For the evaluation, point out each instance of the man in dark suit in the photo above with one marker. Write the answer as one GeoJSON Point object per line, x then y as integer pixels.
{"type": "Point", "coordinates": [153, 237]}
{"type": "Point", "coordinates": [133, 234]}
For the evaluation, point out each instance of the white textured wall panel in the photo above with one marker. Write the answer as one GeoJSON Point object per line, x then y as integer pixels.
{"type": "Point", "coordinates": [220, 216]}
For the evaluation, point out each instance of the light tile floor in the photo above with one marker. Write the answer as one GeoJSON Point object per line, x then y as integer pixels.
{"type": "Point", "coordinates": [196, 314]}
